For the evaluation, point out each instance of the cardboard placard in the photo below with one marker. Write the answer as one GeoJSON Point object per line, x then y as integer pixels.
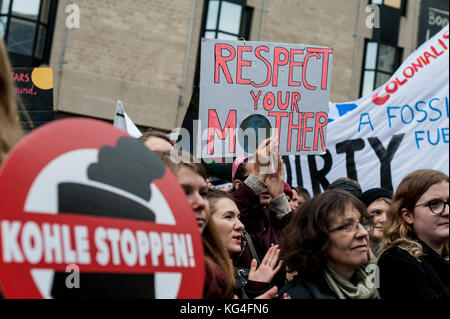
{"type": "Point", "coordinates": [253, 90]}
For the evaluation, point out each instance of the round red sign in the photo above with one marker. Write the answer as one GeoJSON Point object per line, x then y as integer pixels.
{"type": "Point", "coordinates": [88, 212]}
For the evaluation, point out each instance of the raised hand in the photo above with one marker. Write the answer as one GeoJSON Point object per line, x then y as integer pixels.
{"type": "Point", "coordinates": [262, 159]}
{"type": "Point", "coordinates": [275, 181]}
{"type": "Point", "coordinates": [268, 267]}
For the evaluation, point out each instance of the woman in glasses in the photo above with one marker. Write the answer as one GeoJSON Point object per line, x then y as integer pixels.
{"type": "Point", "coordinates": [414, 263]}
{"type": "Point", "coordinates": [327, 244]}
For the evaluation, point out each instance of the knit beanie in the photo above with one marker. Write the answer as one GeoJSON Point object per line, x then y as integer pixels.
{"type": "Point", "coordinates": [371, 195]}
{"type": "Point", "coordinates": [346, 185]}
{"type": "Point", "coordinates": [287, 190]}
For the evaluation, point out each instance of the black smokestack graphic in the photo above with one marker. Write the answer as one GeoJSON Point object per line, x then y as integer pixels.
{"type": "Point", "coordinates": [132, 159]}
{"type": "Point", "coordinates": [131, 167]}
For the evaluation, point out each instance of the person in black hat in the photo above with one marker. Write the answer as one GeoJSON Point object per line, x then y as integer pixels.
{"type": "Point", "coordinates": [347, 184]}
{"type": "Point", "coordinates": [378, 201]}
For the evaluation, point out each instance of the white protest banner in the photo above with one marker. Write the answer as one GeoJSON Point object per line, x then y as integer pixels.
{"type": "Point", "coordinates": [252, 90]}
{"type": "Point", "coordinates": [123, 121]}
{"type": "Point", "coordinates": [401, 127]}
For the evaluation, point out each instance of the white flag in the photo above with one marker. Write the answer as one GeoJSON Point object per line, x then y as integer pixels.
{"type": "Point", "coordinates": [123, 121]}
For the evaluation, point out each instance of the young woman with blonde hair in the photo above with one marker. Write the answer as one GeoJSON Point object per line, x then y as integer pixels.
{"type": "Point", "coordinates": [10, 131]}
{"type": "Point", "coordinates": [414, 262]}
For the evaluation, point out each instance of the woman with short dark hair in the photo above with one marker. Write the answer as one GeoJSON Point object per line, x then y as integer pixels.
{"type": "Point", "coordinates": [327, 245]}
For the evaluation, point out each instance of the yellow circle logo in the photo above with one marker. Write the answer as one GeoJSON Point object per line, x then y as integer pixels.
{"type": "Point", "coordinates": [42, 78]}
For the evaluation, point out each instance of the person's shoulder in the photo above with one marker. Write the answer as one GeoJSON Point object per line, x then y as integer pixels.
{"type": "Point", "coordinates": [396, 255]}
{"type": "Point", "coordinates": [244, 191]}
{"type": "Point", "coordinates": [307, 287]}
{"type": "Point", "coordinates": [296, 289]}
{"type": "Point", "coordinates": [395, 251]}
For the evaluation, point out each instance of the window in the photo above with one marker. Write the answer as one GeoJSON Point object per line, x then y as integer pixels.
{"type": "Point", "coordinates": [224, 19]}
{"type": "Point", "coordinates": [27, 29]}
{"type": "Point", "coordinates": [396, 4]}
{"type": "Point", "coordinates": [380, 62]}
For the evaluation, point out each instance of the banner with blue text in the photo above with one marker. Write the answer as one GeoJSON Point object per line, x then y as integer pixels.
{"type": "Point", "coordinates": [400, 127]}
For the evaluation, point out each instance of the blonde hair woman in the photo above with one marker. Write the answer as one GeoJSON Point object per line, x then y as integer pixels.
{"type": "Point", "coordinates": [414, 262]}
{"type": "Point", "coordinates": [10, 131]}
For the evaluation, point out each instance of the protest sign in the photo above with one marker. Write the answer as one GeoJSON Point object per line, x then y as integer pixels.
{"type": "Point", "coordinates": [401, 127]}
{"type": "Point", "coordinates": [81, 199]}
{"type": "Point", "coordinates": [34, 90]}
{"type": "Point", "coordinates": [253, 90]}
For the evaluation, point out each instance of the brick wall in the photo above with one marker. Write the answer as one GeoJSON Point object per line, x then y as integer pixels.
{"type": "Point", "coordinates": [132, 50]}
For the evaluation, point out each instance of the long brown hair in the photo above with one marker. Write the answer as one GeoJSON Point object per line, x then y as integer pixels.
{"type": "Point", "coordinates": [10, 131]}
{"type": "Point", "coordinates": [213, 196]}
{"type": "Point", "coordinates": [304, 243]}
{"type": "Point", "coordinates": [396, 231]}
{"type": "Point", "coordinates": [218, 254]}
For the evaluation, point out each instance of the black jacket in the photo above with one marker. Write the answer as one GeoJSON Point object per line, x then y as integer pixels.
{"type": "Point", "coordinates": [307, 287]}
{"type": "Point", "coordinates": [403, 276]}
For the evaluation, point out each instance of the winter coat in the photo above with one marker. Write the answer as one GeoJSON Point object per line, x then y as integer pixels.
{"type": "Point", "coordinates": [307, 287]}
{"type": "Point", "coordinates": [404, 276]}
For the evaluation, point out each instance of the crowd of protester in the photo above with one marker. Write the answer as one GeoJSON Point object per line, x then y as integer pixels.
{"type": "Point", "coordinates": [281, 242]}
{"type": "Point", "coordinates": [265, 239]}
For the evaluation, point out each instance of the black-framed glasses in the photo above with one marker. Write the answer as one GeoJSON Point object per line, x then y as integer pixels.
{"type": "Point", "coordinates": [437, 205]}
{"type": "Point", "coordinates": [352, 226]}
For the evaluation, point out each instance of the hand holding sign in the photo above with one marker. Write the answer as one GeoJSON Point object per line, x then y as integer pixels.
{"type": "Point", "coordinates": [262, 159]}
{"type": "Point", "coordinates": [263, 162]}
{"type": "Point", "coordinates": [275, 181]}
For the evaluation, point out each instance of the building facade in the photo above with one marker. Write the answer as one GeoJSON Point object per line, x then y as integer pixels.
{"type": "Point", "coordinates": [145, 52]}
